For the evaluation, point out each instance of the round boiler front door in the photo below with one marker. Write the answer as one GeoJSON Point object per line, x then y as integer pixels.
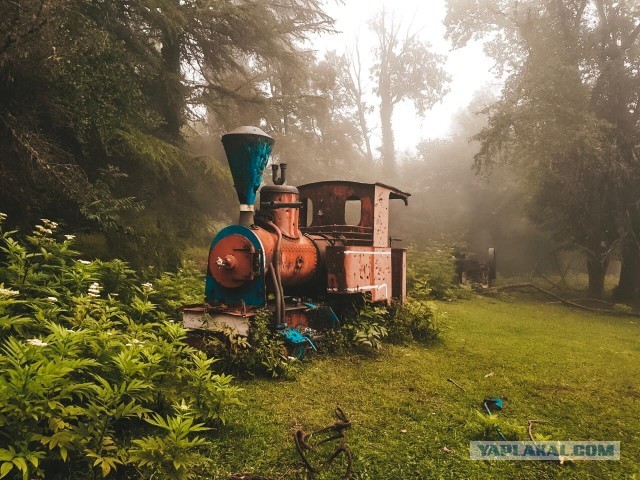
{"type": "Point", "coordinates": [231, 261]}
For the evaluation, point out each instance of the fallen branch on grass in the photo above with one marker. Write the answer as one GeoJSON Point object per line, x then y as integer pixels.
{"type": "Point", "coordinates": [452, 381]}
{"type": "Point", "coordinates": [530, 426]}
{"type": "Point", "coordinates": [516, 286]}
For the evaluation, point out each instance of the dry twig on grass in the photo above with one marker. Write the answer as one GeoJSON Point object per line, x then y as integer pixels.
{"type": "Point", "coordinates": [516, 286]}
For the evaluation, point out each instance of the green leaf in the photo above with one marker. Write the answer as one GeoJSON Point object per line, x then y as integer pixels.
{"type": "Point", "coordinates": [21, 463]}
{"type": "Point", "coordinates": [6, 455]}
{"type": "Point", "coordinates": [5, 469]}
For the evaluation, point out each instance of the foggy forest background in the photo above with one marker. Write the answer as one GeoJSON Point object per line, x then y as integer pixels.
{"type": "Point", "coordinates": [111, 114]}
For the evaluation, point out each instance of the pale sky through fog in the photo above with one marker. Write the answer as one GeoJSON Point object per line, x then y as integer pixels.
{"type": "Point", "coordinates": [469, 67]}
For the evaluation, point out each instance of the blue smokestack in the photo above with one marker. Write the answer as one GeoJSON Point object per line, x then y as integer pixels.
{"type": "Point", "coordinates": [248, 150]}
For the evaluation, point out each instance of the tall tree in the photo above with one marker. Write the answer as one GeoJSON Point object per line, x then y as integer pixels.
{"type": "Point", "coordinates": [568, 115]}
{"type": "Point", "coordinates": [405, 68]}
{"type": "Point", "coordinates": [96, 99]}
{"type": "Point", "coordinates": [351, 78]}
{"type": "Point", "coordinates": [307, 108]}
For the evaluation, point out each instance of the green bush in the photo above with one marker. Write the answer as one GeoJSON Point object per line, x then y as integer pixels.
{"type": "Point", "coordinates": [262, 353]}
{"type": "Point", "coordinates": [431, 272]}
{"type": "Point", "coordinates": [92, 363]}
{"type": "Point", "coordinates": [415, 320]}
{"type": "Point", "coordinates": [367, 330]}
{"type": "Point", "coordinates": [371, 325]}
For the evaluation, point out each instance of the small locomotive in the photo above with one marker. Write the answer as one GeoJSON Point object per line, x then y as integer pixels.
{"type": "Point", "coordinates": [296, 255]}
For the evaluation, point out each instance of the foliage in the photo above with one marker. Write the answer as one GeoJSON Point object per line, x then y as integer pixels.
{"type": "Point", "coordinates": [263, 352]}
{"type": "Point", "coordinates": [371, 325]}
{"type": "Point", "coordinates": [431, 272]}
{"type": "Point", "coordinates": [405, 68]}
{"type": "Point", "coordinates": [415, 320]}
{"type": "Point", "coordinates": [568, 118]}
{"type": "Point", "coordinates": [369, 335]}
{"type": "Point", "coordinates": [86, 354]}
{"type": "Point", "coordinates": [309, 111]}
{"type": "Point", "coordinates": [173, 455]}
{"type": "Point", "coordinates": [101, 105]}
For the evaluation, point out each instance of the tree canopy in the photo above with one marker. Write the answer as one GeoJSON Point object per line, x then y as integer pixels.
{"type": "Point", "coordinates": [568, 117]}
{"type": "Point", "coordinates": [98, 102]}
{"type": "Point", "coordinates": [405, 68]}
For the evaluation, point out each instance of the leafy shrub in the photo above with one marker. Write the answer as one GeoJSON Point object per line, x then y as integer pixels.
{"type": "Point", "coordinates": [367, 330]}
{"type": "Point", "coordinates": [431, 273]}
{"type": "Point", "coordinates": [172, 454]}
{"type": "Point", "coordinates": [415, 320]}
{"type": "Point", "coordinates": [369, 335]}
{"type": "Point", "coordinates": [369, 325]}
{"type": "Point", "coordinates": [89, 361]}
{"type": "Point", "coordinates": [263, 352]}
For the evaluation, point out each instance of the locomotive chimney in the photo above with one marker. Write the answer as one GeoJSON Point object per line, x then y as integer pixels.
{"type": "Point", "coordinates": [248, 150]}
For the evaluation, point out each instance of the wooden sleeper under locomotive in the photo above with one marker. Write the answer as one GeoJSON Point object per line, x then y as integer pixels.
{"type": "Point", "coordinates": [296, 255]}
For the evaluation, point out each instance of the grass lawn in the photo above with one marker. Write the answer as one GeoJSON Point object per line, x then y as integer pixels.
{"type": "Point", "coordinates": [578, 371]}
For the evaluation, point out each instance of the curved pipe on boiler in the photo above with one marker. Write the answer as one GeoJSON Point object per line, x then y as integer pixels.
{"type": "Point", "coordinates": [275, 260]}
{"type": "Point", "coordinates": [276, 292]}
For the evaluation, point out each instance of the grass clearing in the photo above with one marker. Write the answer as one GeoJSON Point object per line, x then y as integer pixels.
{"type": "Point", "coordinates": [576, 370]}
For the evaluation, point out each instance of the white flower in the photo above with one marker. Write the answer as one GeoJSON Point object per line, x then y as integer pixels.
{"type": "Point", "coordinates": [184, 407]}
{"type": "Point", "coordinates": [69, 237]}
{"type": "Point", "coordinates": [84, 262]}
{"type": "Point", "coordinates": [52, 299]}
{"type": "Point", "coordinates": [36, 342]}
{"type": "Point", "coordinates": [94, 289]}
{"type": "Point", "coordinates": [49, 223]}
{"type": "Point", "coordinates": [147, 287]}
{"type": "Point", "coordinates": [43, 230]}
{"type": "Point", "coordinates": [7, 292]}
{"type": "Point", "coordinates": [128, 345]}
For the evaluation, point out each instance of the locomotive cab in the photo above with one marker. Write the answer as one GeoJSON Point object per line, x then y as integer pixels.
{"type": "Point", "coordinates": [361, 258]}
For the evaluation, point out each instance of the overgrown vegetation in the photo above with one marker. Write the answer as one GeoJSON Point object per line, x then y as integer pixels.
{"type": "Point", "coordinates": [95, 374]}
{"type": "Point", "coordinates": [431, 272]}
{"type": "Point", "coordinates": [262, 353]}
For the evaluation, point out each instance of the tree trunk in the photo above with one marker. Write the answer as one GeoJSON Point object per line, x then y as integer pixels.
{"type": "Point", "coordinates": [365, 131]}
{"type": "Point", "coordinates": [171, 94]}
{"type": "Point", "coordinates": [388, 148]}
{"type": "Point", "coordinates": [628, 288]}
{"type": "Point", "coordinates": [597, 269]}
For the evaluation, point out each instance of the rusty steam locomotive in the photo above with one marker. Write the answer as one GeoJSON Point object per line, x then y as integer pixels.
{"type": "Point", "coordinates": [296, 255]}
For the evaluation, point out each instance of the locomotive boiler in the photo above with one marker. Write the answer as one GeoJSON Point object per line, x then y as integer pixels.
{"type": "Point", "coordinates": [297, 255]}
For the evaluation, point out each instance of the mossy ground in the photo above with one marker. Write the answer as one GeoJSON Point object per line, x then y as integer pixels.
{"type": "Point", "coordinates": [577, 371]}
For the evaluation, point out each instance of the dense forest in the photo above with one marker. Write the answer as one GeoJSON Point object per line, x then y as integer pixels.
{"type": "Point", "coordinates": [111, 114]}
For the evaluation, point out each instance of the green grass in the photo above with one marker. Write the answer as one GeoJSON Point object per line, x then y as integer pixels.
{"type": "Point", "coordinates": [577, 371]}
